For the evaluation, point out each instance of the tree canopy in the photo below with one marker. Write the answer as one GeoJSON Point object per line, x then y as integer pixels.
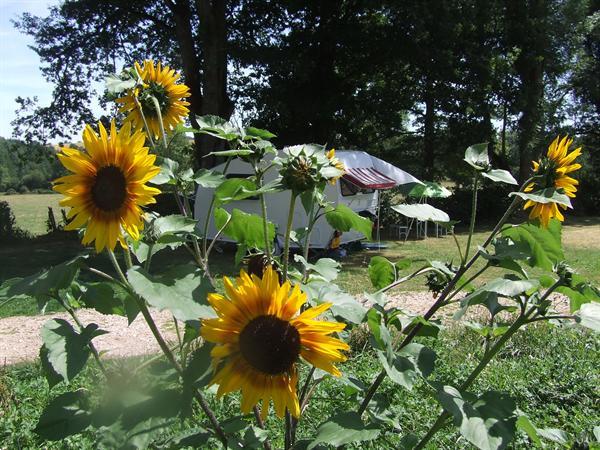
{"type": "Point", "coordinates": [415, 82]}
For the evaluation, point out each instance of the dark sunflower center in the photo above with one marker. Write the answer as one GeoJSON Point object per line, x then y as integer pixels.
{"type": "Point", "coordinates": [270, 345]}
{"type": "Point", "coordinates": [547, 170]}
{"type": "Point", "coordinates": [109, 189]}
{"type": "Point", "coordinates": [160, 93]}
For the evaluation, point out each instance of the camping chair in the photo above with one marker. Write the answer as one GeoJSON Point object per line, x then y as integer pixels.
{"type": "Point", "coordinates": [401, 228]}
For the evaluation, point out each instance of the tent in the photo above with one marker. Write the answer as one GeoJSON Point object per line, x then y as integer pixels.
{"type": "Point", "coordinates": [358, 189]}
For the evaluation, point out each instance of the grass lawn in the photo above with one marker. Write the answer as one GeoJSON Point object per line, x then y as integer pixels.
{"type": "Point", "coordinates": [580, 241]}
{"type": "Point", "coordinates": [31, 210]}
{"type": "Point", "coordinates": [551, 373]}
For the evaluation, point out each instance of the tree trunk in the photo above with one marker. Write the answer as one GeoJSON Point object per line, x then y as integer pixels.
{"type": "Point", "coordinates": [190, 62]}
{"type": "Point", "coordinates": [213, 35]}
{"type": "Point", "coordinates": [429, 131]}
{"type": "Point", "coordinates": [529, 33]}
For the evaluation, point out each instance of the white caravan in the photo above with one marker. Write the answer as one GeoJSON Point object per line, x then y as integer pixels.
{"type": "Point", "coordinates": [358, 189]}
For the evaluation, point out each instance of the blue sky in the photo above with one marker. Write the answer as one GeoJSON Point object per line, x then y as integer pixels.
{"type": "Point", "coordinates": [19, 65]}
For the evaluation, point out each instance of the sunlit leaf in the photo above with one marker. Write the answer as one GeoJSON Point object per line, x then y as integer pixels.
{"type": "Point", "coordinates": [423, 212]}
{"type": "Point", "coordinates": [343, 219]}
{"type": "Point", "coordinates": [488, 422]}
{"type": "Point", "coordinates": [381, 272]}
{"type": "Point", "coordinates": [182, 290]}
{"type": "Point", "coordinates": [477, 156]}
{"type": "Point", "coordinates": [344, 428]}
{"type": "Point", "coordinates": [500, 175]}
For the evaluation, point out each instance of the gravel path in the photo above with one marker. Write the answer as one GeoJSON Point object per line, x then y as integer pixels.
{"type": "Point", "coordinates": [20, 339]}
{"type": "Point", "coordinates": [20, 335]}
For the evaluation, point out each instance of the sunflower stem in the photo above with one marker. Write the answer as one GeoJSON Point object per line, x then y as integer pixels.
{"type": "Point", "coordinates": [148, 132]}
{"type": "Point", "coordinates": [160, 121]}
{"type": "Point", "coordinates": [261, 424]}
{"type": "Point", "coordinates": [312, 219]}
{"type": "Point", "coordinates": [473, 216]}
{"type": "Point", "coordinates": [91, 346]}
{"type": "Point", "coordinates": [208, 215]}
{"type": "Point", "coordinates": [149, 257]}
{"type": "Point", "coordinates": [117, 266]}
{"type": "Point", "coordinates": [288, 230]}
{"type": "Point", "coordinates": [167, 351]}
{"type": "Point", "coordinates": [441, 301]}
{"type": "Point", "coordinates": [288, 430]}
{"type": "Point", "coordinates": [444, 416]}
{"type": "Point", "coordinates": [263, 206]}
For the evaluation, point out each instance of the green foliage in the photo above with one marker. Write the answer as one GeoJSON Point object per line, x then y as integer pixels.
{"type": "Point", "coordinates": [27, 166]}
{"type": "Point", "coordinates": [63, 417]}
{"type": "Point", "coordinates": [488, 422]}
{"type": "Point", "coordinates": [381, 272]}
{"type": "Point", "coordinates": [65, 351]}
{"type": "Point", "coordinates": [422, 212]}
{"type": "Point", "coordinates": [182, 290]}
{"type": "Point", "coordinates": [343, 219]}
{"type": "Point", "coordinates": [343, 428]}
{"type": "Point", "coordinates": [540, 247]}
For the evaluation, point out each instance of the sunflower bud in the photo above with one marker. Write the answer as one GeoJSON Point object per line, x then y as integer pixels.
{"type": "Point", "coordinates": [299, 174]}
{"type": "Point", "coordinates": [258, 263]}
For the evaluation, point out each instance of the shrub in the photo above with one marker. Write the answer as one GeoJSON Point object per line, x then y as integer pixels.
{"type": "Point", "coordinates": [8, 228]}
{"type": "Point", "coordinates": [23, 189]}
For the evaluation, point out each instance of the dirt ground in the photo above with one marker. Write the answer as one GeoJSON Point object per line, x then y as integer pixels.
{"type": "Point", "coordinates": [20, 339]}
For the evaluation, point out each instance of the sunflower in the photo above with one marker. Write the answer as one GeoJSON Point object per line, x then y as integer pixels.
{"type": "Point", "coordinates": [260, 337]}
{"type": "Point", "coordinates": [158, 82]}
{"type": "Point", "coordinates": [335, 163]}
{"type": "Point", "coordinates": [107, 186]}
{"type": "Point", "coordinates": [552, 171]}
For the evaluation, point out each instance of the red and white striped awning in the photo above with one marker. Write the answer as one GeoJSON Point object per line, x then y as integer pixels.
{"type": "Point", "coordinates": [368, 178]}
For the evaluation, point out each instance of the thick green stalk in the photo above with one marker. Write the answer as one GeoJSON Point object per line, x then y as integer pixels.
{"type": "Point", "coordinates": [208, 215]}
{"type": "Point", "coordinates": [90, 345]}
{"type": "Point", "coordinates": [523, 319]}
{"type": "Point", "coordinates": [288, 231]}
{"type": "Point", "coordinates": [167, 351]}
{"type": "Point", "coordinates": [444, 416]}
{"type": "Point", "coordinates": [263, 206]}
{"type": "Point", "coordinates": [160, 122]}
{"type": "Point", "coordinates": [441, 299]}
{"type": "Point", "coordinates": [148, 132]}
{"type": "Point", "coordinates": [473, 216]}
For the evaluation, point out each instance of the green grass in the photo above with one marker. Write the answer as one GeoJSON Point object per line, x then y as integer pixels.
{"type": "Point", "coordinates": [580, 242]}
{"type": "Point", "coordinates": [550, 372]}
{"type": "Point", "coordinates": [31, 210]}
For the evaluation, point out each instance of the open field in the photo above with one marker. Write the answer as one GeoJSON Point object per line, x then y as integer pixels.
{"type": "Point", "coordinates": [31, 210]}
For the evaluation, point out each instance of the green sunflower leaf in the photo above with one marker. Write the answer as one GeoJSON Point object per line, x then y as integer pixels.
{"type": "Point", "coordinates": [182, 290]}
{"type": "Point", "coordinates": [477, 156]}
{"type": "Point", "coordinates": [549, 195]}
{"type": "Point", "coordinates": [540, 247]}
{"type": "Point", "coordinates": [488, 422]}
{"type": "Point", "coordinates": [247, 229]}
{"type": "Point", "coordinates": [64, 416]}
{"type": "Point", "coordinates": [65, 350]}
{"type": "Point", "coordinates": [235, 189]}
{"type": "Point", "coordinates": [343, 219]}
{"type": "Point", "coordinates": [381, 272]}
{"type": "Point", "coordinates": [500, 175]}
{"type": "Point", "coordinates": [344, 428]}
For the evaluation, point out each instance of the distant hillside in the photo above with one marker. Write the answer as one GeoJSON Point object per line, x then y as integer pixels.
{"type": "Point", "coordinates": [25, 167]}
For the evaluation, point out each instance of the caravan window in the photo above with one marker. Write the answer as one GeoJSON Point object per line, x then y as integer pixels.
{"type": "Point", "coordinates": [245, 176]}
{"type": "Point", "coordinates": [348, 188]}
